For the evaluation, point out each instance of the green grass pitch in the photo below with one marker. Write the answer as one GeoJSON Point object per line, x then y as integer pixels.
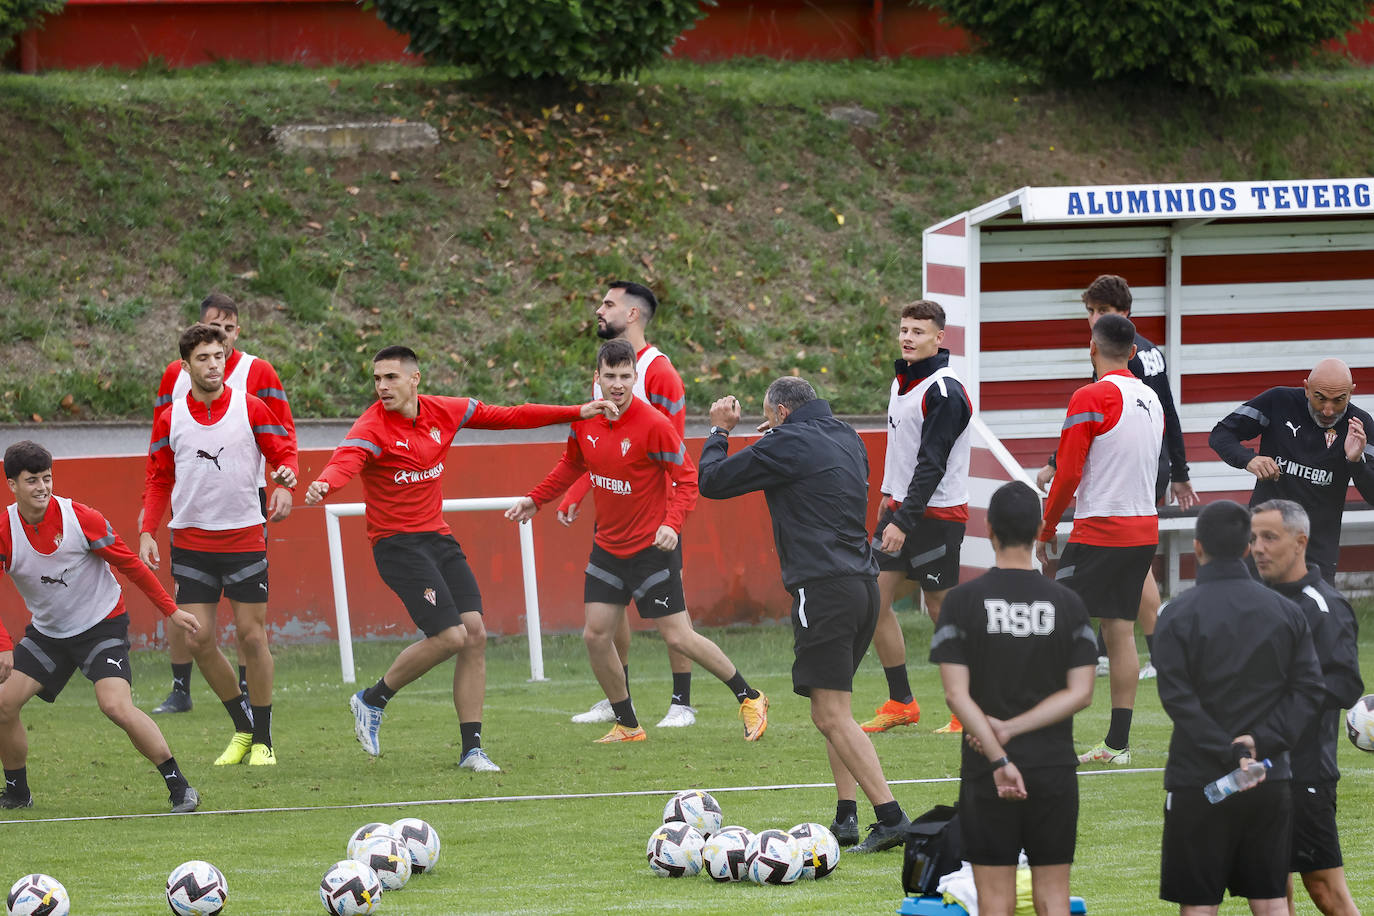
{"type": "Point", "coordinates": [504, 852]}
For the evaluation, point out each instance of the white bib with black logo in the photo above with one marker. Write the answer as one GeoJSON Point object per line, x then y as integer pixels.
{"type": "Point", "coordinates": [67, 591]}
{"type": "Point", "coordinates": [218, 469]}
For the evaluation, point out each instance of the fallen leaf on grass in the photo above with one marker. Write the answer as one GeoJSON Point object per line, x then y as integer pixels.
{"type": "Point", "coordinates": [395, 177]}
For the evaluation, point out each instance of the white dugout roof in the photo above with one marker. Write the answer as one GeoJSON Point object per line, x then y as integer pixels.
{"type": "Point", "coordinates": [1243, 285]}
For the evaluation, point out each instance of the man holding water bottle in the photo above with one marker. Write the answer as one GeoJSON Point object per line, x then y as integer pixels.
{"type": "Point", "coordinates": [1239, 678]}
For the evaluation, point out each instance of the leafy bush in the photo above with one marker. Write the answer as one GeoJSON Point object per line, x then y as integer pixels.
{"type": "Point", "coordinates": [530, 39]}
{"type": "Point", "coordinates": [1210, 44]}
{"type": "Point", "coordinates": [18, 15]}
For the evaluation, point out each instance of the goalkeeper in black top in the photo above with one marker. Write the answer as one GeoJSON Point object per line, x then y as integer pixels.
{"type": "Point", "coordinates": [1313, 444]}
{"type": "Point", "coordinates": [1016, 653]}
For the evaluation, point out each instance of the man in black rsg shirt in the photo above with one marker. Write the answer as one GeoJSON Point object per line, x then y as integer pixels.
{"type": "Point", "coordinates": [1017, 655]}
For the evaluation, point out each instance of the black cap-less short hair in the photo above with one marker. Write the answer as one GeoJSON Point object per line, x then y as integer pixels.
{"type": "Point", "coordinates": [1014, 514]}
{"type": "Point", "coordinates": [1114, 336]}
{"type": "Point", "coordinates": [26, 457]}
{"type": "Point", "coordinates": [618, 352]}
{"type": "Point", "coordinates": [404, 354]}
{"type": "Point", "coordinates": [640, 292]}
{"type": "Point", "coordinates": [1223, 529]}
{"type": "Point", "coordinates": [198, 334]}
{"type": "Point", "coordinates": [927, 310]}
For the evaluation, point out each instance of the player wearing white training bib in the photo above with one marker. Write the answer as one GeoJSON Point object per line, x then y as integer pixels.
{"type": "Point", "coordinates": [206, 461]}
{"type": "Point", "coordinates": [1108, 457]}
{"type": "Point", "coordinates": [58, 554]}
{"type": "Point", "coordinates": [924, 511]}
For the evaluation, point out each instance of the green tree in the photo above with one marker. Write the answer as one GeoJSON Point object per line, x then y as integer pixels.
{"type": "Point", "coordinates": [18, 15]}
{"type": "Point", "coordinates": [1211, 44]}
{"type": "Point", "coordinates": [532, 39]}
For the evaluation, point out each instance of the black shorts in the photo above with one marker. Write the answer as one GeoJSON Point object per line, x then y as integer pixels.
{"type": "Point", "coordinates": [930, 555]}
{"type": "Point", "coordinates": [100, 652]}
{"type": "Point", "coordinates": [201, 577]}
{"type": "Point", "coordinates": [429, 572]}
{"type": "Point", "coordinates": [1316, 844]}
{"type": "Point", "coordinates": [1241, 844]}
{"type": "Point", "coordinates": [651, 578]}
{"type": "Point", "coordinates": [832, 625]}
{"type": "Point", "coordinates": [1045, 823]}
{"type": "Point", "coordinates": [1108, 579]}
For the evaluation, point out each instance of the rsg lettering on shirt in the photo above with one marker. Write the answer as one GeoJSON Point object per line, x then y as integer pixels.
{"type": "Point", "coordinates": [620, 487]}
{"type": "Point", "coordinates": [1152, 361]}
{"type": "Point", "coordinates": [418, 476]}
{"type": "Point", "coordinates": [1016, 618]}
{"type": "Point", "coordinates": [1319, 476]}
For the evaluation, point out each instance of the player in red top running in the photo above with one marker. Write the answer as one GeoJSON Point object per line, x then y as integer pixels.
{"type": "Point", "coordinates": [242, 372]}
{"type": "Point", "coordinates": [645, 486]}
{"type": "Point", "coordinates": [207, 461]}
{"type": "Point", "coordinates": [1108, 458]}
{"type": "Point", "coordinates": [624, 314]}
{"type": "Point", "coordinates": [397, 447]}
{"type": "Point", "coordinates": [58, 554]}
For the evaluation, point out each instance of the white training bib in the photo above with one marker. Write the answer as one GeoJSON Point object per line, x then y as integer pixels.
{"type": "Point", "coordinates": [69, 590]}
{"type": "Point", "coordinates": [218, 468]}
{"type": "Point", "coordinates": [905, 422]}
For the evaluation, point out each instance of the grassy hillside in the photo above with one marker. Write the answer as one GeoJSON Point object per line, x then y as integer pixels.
{"type": "Point", "coordinates": [778, 237]}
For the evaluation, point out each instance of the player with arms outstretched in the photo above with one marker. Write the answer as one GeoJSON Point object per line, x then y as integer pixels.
{"type": "Point", "coordinates": [58, 553]}
{"type": "Point", "coordinates": [397, 447]}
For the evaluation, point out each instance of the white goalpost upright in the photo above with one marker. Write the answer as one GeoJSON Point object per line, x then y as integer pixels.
{"type": "Point", "coordinates": [332, 514]}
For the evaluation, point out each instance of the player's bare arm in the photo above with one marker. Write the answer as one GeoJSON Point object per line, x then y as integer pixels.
{"type": "Point", "coordinates": [6, 664]}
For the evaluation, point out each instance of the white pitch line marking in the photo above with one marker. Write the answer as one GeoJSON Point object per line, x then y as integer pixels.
{"type": "Point", "coordinates": [511, 798]}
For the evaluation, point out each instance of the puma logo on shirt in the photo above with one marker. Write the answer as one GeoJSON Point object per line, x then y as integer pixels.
{"type": "Point", "coordinates": [202, 453]}
{"type": "Point", "coordinates": [60, 580]}
{"type": "Point", "coordinates": [1292, 428]}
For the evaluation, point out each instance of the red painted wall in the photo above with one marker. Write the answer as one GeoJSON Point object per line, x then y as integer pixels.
{"type": "Point", "coordinates": [730, 567]}
{"type": "Point", "coordinates": [128, 33]}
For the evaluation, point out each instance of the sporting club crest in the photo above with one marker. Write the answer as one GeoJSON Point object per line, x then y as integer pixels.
{"type": "Point", "coordinates": [624, 446]}
{"type": "Point", "coordinates": [430, 597]}
{"type": "Point", "coordinates": [434, 433]}
{"type": "Point", "coordinates": [1330, 437]}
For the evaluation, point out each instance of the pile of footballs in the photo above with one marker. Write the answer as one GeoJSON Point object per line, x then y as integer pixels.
{"type": "Point", "coordinates": [380, 856]}
{"type": "Point", "coordinates": [691, 840]}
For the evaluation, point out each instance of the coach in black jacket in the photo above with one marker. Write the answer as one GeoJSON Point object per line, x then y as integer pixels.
{"type": "Point", "coordinates": [813, 471]}
{"type": "Point", "coordinates": [1313, 444]}
{"type": "Point", "coordinates": [1278, 543]}
{"type": "Point", "coordinates": [1239, 677]}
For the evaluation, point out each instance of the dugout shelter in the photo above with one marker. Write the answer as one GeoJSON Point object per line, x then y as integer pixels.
{"type": "Point", "coordinates": [1243, 285]}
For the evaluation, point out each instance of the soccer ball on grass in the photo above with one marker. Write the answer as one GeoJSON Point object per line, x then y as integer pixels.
{"type": "Point", "coordinates": [363, 834]}
{"type": "Point", "coordinates": [723, 856]}
{"type": "Point", "coordinates": [819, 848]}
{"type": "Point", "coordinates": [696, 809]}
{"type": "Point", "coordinates": [350, 888]}
{"type": "Point", "coordinates": [674, 850]}
{"type": "Point", "coordinates": [421, 839]}
{"type": "Point", "coordinates": [774, 858]}
{"type": "Point", "coordinates": [388, 857]}
{"type": "Point", "coordinates": [38, 895]}
{"type": "Point", "coordinates": [196, 888]}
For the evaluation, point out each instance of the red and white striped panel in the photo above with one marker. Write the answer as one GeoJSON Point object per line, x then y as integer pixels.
{"type": "Point", "coordinates": [944, 271]}
{"type": "Point", "coordinates": [1260, 304]}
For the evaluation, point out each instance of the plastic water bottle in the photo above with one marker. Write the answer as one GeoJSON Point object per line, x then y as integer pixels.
{"type": "Point", "coordinates": [1238, 780]}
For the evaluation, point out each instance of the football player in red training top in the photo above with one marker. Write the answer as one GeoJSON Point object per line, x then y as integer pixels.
{"type": "Point", "coordinates": [1108, 458]}
{"type": "Point", "coordinates": [624, 314]}
{"type": "Point", "coordinates": [58, 553]}
{"type": "Point", "coordinates": [645, 485]}
{"type": "Point", "coordinates": [206, 460]}
{"type": "Point", "coordinates": [397, 447]}
{"type": "Point", "coordinates": [242, 372]}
